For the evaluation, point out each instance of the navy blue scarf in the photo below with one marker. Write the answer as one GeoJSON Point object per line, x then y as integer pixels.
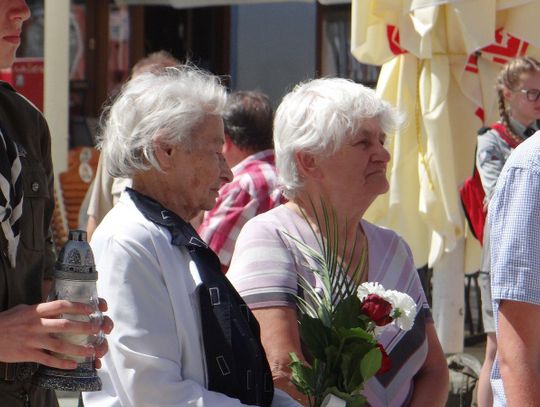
{"type": "Point", "coordinates": [235, 359]}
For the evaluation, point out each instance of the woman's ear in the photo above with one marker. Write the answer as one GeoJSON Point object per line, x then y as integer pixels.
{"type": "Point", "coordinates": [507, 93]}
{"type": "Point", "coordinates": [163, 151]}
{"type": "Point", "coordinates": [307, 165]}
{"type": "Point", "coordinates": [227, 144]}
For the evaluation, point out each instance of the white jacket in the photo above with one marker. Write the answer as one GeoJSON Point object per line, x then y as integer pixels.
{"type": "Point", "coordinates": [156, 353]}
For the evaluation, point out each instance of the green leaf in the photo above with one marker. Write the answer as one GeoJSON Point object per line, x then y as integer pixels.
{"type": "Point", "coordinates": [324, 376]}
{"type": "Point", "coordinates": [311, 303]}
{"type": "Point", "coordinates": [301, 375]}
{"type": "Point", "coordinates": [356, 335]}
{"type": "Point", "coordinates": [353, 400]}
{"type": "Point", "coordinates": [353, 353]}
{"type": "Point", "coordinates": [356, 400]}
{"type": "Point", "coordinates": [371, 363]}
{"type": "Point", "coordinates": [345, 367]}
{"type": "Point", "coordinates": [314, 335]}
{"type": "Point", "coordinates": [356, 380]}
{"type": "Point", "coordinates": [331, 353]}
{"type": "Point", "coordinates": [346, 312]}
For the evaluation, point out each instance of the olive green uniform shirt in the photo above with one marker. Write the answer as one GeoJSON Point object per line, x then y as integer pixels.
{"type": "Point", "coordinates": [25, 125]}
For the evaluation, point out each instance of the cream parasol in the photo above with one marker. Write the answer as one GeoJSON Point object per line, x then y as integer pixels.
{"type": "Point", "coordinates": [439, 62]}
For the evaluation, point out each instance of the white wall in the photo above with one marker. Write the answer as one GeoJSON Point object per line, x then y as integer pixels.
{"type": "Point", "coordinates": [272, 47]}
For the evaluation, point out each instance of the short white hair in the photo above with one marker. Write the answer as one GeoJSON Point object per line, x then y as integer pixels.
{"type": "Point", "coordinates": [171, 102]}
{"type": "Point", "coordinates": [318, 116]}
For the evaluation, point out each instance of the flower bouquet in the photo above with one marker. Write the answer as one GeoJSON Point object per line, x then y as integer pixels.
{"type": "Point", "coordinates": [339, 325]}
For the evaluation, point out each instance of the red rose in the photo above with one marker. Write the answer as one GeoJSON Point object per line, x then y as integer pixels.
{"type": "Point", "coordinates": [377, 309]}
{"type": "Point", "coordinates": [386, 363]}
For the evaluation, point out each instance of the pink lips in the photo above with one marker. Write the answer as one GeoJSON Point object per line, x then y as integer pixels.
{"type": "Point", "coordinates": [13, 39]}
{"type": "Point", "coordinates": [381, 171]}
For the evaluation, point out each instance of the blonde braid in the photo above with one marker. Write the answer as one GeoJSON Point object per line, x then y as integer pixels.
{"type": "Point", "coordinates": [503, 113]}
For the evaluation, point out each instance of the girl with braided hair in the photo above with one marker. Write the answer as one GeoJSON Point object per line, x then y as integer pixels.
{"type": "Point", "coordinates": [518, 91]}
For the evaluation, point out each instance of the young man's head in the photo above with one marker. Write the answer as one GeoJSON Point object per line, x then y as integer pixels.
{"type": "Point", "coordinates": [248, 121]}
{"type": "Point", "coordinates": [12, 15]}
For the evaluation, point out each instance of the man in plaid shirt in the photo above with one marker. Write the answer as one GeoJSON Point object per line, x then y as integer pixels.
{"type": "Point", "coordinates": [248, 150]}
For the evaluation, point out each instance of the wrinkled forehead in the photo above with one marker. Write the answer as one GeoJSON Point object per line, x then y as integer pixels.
{"type": "Point", "coordinates": [367, 127]}
{"type": "Point", "coordinates": [209, 132]}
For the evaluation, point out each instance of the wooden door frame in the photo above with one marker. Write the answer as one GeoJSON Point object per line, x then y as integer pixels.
{"type": "Point", "coordinates": [97, 48]}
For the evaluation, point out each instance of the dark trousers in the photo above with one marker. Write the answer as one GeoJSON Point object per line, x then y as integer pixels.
{"type": "Point", "coordinates": [25, 394]}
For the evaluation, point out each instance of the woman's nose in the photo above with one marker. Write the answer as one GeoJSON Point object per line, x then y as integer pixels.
{"type": "Point", "coordinates": [382, 154]}
{"type": "Point", "coordinates": [226, 173]}
{"type": "Point", "coordinates": [19, 10]}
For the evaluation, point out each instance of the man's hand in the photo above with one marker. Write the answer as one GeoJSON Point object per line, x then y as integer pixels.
{"type": "Point", "coordinates": [25, 333]}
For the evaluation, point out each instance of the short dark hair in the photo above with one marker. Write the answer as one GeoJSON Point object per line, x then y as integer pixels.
{"type": "Point", "coordinates": [248, 120]}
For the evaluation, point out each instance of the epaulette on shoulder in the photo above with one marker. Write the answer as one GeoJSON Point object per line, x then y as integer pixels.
{"type": "Point", "coordinates": [483, 130]}
{"type": "Point", "coordinates": [7, 85]}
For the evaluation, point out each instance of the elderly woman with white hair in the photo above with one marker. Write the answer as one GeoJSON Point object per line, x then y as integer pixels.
{"type": "Point", "coordinates": [329, 137]}
{"type": "Point", "coordinates": [183, 335]}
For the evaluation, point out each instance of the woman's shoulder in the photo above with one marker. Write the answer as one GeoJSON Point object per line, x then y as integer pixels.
{"type": "Point", "coordinates": [271, 237]}
{"type": "Point", "coordinates": [489, 135]}
{"type": "Point", "coordinates": [383, 241]}
{"type": "Point", "coordinates": [379, 232]}
{"type": "Point", "coordinates": [263, 256]}
{"type": "Point", "coordinates": [125, 223]}
{"type": "Point", "coordinates": [278, 218]}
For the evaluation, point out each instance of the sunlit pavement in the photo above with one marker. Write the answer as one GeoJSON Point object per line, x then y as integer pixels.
{"type": "Point", "coordinates": [66, 399]}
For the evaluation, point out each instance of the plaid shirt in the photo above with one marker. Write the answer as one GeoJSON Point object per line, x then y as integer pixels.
{"type": "Point", "coordinates": [514, 220]}
{"type": "Point", "coordinates": [253, 190]}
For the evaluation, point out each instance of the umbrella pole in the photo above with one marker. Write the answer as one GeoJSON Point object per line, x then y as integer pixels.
{"type": "Point", "coordinates": [448, 298]}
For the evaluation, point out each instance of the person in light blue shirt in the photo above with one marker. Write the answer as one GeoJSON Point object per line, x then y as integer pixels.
{"type": "Point", "coordinates": [519, 118]}
{"type": "Point", "coordinates": [514, 219]}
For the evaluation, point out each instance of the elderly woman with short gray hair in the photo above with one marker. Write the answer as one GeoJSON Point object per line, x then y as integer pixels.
{"type": "Point", "coordinates": [183, 335]}
{"type": "Point", "coordinates": [329, 137]}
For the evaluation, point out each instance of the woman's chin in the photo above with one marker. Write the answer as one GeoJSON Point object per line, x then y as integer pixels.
{"type": "Point", "coordinates": [379, 188]}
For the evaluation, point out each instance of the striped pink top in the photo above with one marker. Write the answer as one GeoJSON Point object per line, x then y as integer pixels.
{"type": "Point", "coordinates": [265, 267]}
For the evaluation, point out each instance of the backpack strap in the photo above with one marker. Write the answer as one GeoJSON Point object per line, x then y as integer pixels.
{"type": "Point", "coordinates": [503, 133]}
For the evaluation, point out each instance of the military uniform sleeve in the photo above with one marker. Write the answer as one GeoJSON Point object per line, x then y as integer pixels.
{"type": "Point", "coordinates": [50, 256]}
{"type": "Point", "coordinates": [489, 161]}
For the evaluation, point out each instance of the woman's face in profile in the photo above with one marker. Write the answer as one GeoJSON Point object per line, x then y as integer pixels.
{"type": "Point", "coordinates": [357, 171]}
{"type": "Point", "coordinates": [199, 172]}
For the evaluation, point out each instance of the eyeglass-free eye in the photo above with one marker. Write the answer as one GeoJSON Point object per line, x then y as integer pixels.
{"type": "Point", "coordinates": [532, 94]}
